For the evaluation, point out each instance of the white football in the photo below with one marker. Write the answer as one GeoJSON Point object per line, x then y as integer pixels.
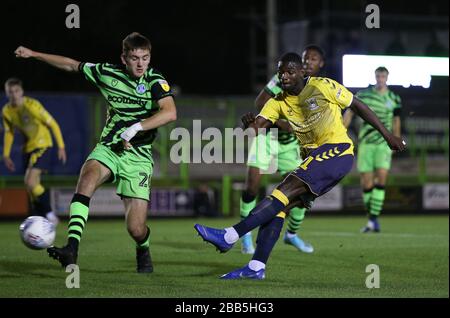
{"type": "Point", "coordinates": [37, 232]}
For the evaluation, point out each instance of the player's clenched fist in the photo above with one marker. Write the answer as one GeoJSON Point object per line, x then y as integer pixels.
{"type": "Point", "coordinates": [23, 52]}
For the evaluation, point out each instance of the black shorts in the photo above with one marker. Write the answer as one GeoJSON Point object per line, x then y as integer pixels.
{"type": "Point", "coordinates": [39, 158]}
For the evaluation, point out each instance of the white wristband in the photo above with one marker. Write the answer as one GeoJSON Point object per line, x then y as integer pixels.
{"type": "Point", "coordinates": [131, 131]}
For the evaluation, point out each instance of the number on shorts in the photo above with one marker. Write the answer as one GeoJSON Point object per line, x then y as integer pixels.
{"type": "Point", "coordinates": [143, 182]}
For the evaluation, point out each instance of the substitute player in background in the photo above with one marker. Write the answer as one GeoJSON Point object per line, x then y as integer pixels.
{"type": "Point", "coordinates": [140, 100]}
{"type": "Point", "coordinates": [287, 156]}
{"type": "Point", "coordinates": [27, 115]}
{"type": "Point", "coordinates": [374, 155]}
{"type": "Point", "coordinates": [313, 109]}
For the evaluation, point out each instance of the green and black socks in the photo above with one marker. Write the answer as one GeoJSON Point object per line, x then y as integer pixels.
{"type": "Point", "coordinates": [374, 200]}
{"type": "Point", "coordinates": [367, 194]}
{"type": "Point", "coordinates": [145, 242]}
{"type": "Point", "coordinates": [247, 204]}
{"type": "Point", "coordinates": [79, 211]}
{"type": "Point", "coordinates": [377, 200]}
{"type": "Point", "coordinates": [296, 216]}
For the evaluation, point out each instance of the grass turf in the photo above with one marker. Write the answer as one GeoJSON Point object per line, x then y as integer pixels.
{"type": "Point", "coordinates": [411, 252]}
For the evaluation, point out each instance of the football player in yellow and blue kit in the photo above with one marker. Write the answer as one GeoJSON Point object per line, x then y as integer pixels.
{"type": "Point", "coordinates": [28, 116]}
{"type": "Point", "coordinates": [313, 108]}
{"type": "Point", "coordinates": [287, 153]}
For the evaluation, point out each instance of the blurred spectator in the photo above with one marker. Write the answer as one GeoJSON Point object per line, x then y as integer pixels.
{"type": "Point", "coordinates": [205, 203]}
{"type": "Point", "coordinates": [435, 48]}
{"type": "Point", "coordinates": [396, 47]}
{"type": "Point", "coordinates": [353, 43]}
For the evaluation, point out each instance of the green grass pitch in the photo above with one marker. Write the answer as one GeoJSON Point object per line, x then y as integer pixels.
{"type": "Point", "coordinates": [411, 252]}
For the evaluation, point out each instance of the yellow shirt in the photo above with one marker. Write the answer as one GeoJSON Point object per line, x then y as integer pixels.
{"type": "Point", "coordinates": [33, 121]}
{"type": "Point", "coordinates": [315, 114]}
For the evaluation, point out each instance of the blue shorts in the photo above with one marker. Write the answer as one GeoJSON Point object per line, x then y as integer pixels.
{"type": "Point", "coordinates": [39, 158]}
{"type": "Point", "coordinates": [325, 166]}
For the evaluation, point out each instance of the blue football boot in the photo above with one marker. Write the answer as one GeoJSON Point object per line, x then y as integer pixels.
{"type": "Point", "coordinates": [372, 226]}
{"type": "Point", "coordinates": [298, 243]}
{"type": "Point", "coordinates": [245, 272]}
{"type": "Point", "coordinates": [214, 236]}
{"type": "Point", "coordinates": [376, 226]}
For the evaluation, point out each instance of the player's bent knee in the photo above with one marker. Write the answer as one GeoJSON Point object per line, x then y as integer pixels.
{"type": "Point", "coordinates": [137, 232]}
{"type": "Point", "coordinates": [307, 200]}
{"type": "Point", "coordinates": [30, 183]}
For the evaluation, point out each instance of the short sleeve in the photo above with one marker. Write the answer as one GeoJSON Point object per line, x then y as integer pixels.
{"type": "Point", "coordinates": [271, 111]}
{"type": "Point", "coordinates": [91, 72]}
{"type": "Point", "coordinates": [160, 88]}
{"type": "Point", "coordinates": [337, 93]}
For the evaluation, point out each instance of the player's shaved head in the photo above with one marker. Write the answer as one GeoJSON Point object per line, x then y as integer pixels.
{"type": "Point", "coordinates": [290, 73]}
{"type": "Point", "coordinates": [315, 47]}
{"type": "Point", "coordinates": [134, 41]}
{"type": "Point", "coordinates": [291, 57]}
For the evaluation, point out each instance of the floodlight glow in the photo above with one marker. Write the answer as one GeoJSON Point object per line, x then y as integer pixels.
{"type": "Point", "coordinates": [359, 70]}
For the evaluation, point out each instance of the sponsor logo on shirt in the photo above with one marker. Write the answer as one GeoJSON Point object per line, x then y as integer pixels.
{"type": "Point", "coordinates": [126, 100]}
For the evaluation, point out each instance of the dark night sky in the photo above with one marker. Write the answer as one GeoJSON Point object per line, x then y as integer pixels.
{"type": "Point", "coordinates": [200, 45]}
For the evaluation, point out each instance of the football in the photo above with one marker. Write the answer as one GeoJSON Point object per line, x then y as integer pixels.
{"type": "Point", "coordinates": [37, 232]}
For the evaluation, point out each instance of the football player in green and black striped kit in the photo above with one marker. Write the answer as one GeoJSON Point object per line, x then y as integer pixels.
{"type": "Point", "coordinates": [374, 155]}
{"type": "Point", "coordinates": [287, 155]}
{"type": "Point", "coordinates": [140, 100]}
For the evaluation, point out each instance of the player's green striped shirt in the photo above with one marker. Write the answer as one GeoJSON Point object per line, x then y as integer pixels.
{"type": "Point", "coordinates": [273, 88]}
{"type": "Point", "coordinates": [385, 106]}
{"type": "Point", "coordinates": [129, 100]}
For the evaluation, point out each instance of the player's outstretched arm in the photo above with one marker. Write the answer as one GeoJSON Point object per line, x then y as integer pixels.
{"type": "Point", "coordinates": [348, 117]}
{"type": "Point", "coordinates": [7, 145]}
{"type": "Point", "coordinates": [396, 126]}
{"type": "Point", "coordinates": [61, 62]}
{"type": "Point", "coordinates": [363, 111]}
{"type": "Point", "coordinates": [56, 130]}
